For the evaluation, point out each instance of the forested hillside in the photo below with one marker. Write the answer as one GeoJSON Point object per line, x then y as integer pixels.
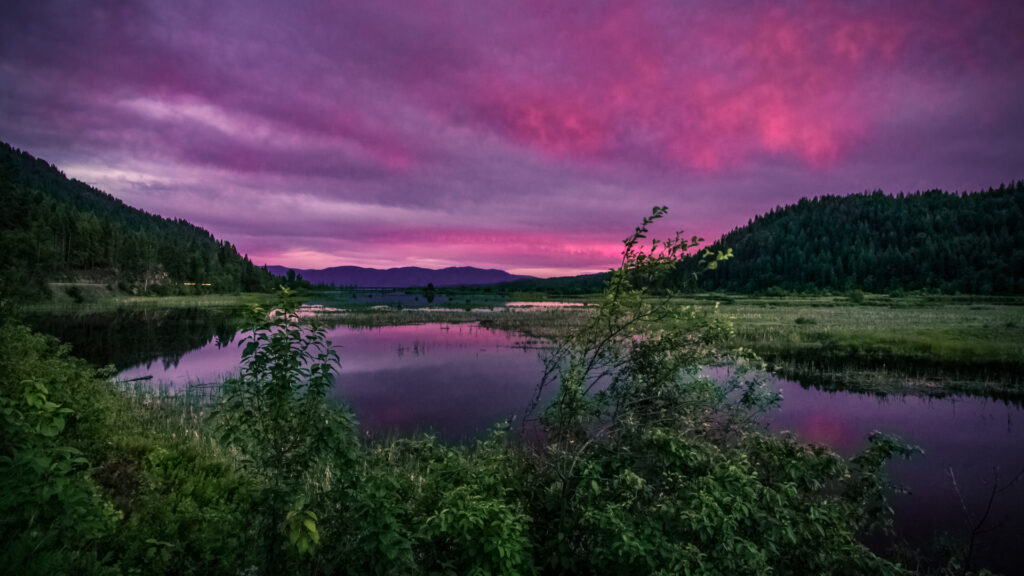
{"type": "Point", "coordinates": [950, 242]}
{"type": "Point", "coordinates": [562, 285]}
{"type": "Point", "coordinates": [56, 229]}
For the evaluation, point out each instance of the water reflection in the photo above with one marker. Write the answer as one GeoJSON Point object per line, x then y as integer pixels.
{"type": "Point", "coordinates": [128, 337]}
{"type": "Point", "coordinates": [454, 380]}
{"type": "Point", "coordinates": [976, 438]}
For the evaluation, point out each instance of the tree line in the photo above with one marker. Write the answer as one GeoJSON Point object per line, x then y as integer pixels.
{"type": "Point", "coordinates": [934, 240]}
{"type": "Point", "coordinates": [53, 228]}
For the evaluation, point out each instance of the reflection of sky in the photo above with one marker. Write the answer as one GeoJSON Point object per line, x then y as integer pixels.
{"type": "Point", "coordinates": [454, 379]}
{"type": "Point", "coordinates": [203, 365]}
{"type": "Point", "coordinates": [971, 436]}
{"type": "Point", "coordinates": [373, 349]}
{"type": "Point", "coordinates": [456, 397]}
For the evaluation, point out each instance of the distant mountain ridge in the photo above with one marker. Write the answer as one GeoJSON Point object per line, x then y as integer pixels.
{"type": "Point", "coordinates": [401, 277]}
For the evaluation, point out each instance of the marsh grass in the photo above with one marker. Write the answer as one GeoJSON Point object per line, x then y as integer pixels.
{"type": "Point", "coordinates": [886, 381]}
{"type": "Point", "coordinates": [169, 412]}
{"type": "Point", "coordinates": [113, 301]}
{"type": "Point", "coordinates": [925, 345]}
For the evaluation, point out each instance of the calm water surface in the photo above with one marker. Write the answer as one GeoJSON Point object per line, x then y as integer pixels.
{"type": "Point", "coordinates": [975, 438]}
{"type": "Point", "coordinates": [457, 380]}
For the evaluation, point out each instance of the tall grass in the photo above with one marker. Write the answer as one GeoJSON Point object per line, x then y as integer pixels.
{"type": "Point", "coordinates": [168, 412]}
{"type": "Point", "coordinates": [111, 302]}
{"type": "Point", "coordinates": [917, 344]}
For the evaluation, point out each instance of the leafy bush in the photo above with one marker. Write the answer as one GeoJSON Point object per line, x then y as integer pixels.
{"type": "Point", "coordinates": [53, 519]}
{"type": "Point", "coordinates": [649, 467]}
{"type": "Point", "coordinates": [188, 512]}
{"type": "Point", "coordinates": [276, 415]}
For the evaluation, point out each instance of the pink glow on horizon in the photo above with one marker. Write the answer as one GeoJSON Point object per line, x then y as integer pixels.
{"type": "Point", "coordinates": [517, 253]}
{"type": "Point", "coordinates": [530, 136]}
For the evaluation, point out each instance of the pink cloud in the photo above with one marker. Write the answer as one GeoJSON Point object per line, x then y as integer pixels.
{"type": "Point", "coordinates": [704, 96]}
{"type": "Point", "coordinates": [529, 135]}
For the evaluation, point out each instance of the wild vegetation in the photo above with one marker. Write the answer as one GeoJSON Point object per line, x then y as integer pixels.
{"type": "Point", "coordinates": [53, 229]}
{"type": "Point", "coordinates": [639, 465]}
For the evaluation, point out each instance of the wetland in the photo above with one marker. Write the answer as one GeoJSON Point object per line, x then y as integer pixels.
{"type": "Point", "coordinates": [457, 367]}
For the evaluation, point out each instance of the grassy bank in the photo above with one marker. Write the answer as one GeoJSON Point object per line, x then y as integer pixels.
{"type": "Point", "coordinates": [101, 301]}
{"type": "Point", "coordinates": [883, 344]}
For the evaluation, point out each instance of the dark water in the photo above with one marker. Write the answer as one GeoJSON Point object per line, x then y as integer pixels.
{"type": "Point", "coordinates": [975, 438]}
{"type": "Point", "coordinates": [458, 380]}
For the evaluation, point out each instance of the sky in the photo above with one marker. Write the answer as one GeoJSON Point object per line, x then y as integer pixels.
{"type": "Point", "coordinates": [524, 135]}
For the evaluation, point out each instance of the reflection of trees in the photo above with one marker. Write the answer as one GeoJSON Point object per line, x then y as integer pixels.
{"type": "Point", "coordinates": [126, 338]}
{"type": "Point", "coordinates": [899, 378]}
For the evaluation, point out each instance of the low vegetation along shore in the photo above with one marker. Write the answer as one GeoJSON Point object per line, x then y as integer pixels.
{"type": "Point", "coordinates": [924, 345]}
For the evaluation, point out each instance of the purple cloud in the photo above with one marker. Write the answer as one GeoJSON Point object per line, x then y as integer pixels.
{"type": "Point", "coordinates": [527, 136]}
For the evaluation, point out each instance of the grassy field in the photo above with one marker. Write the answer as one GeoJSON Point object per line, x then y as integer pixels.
{"type": "Point", "coordinates": [96, 299]}
{"type": "Point", "coordinates": [926, 345]}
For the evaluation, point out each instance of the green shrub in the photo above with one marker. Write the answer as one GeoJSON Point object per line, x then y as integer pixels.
{"type": "Point", "coordinates": [53, 519]}
{"type": "Point", "coordinates": [276, 415]}
{"type": "Point", "coordinates": [186, 511]}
